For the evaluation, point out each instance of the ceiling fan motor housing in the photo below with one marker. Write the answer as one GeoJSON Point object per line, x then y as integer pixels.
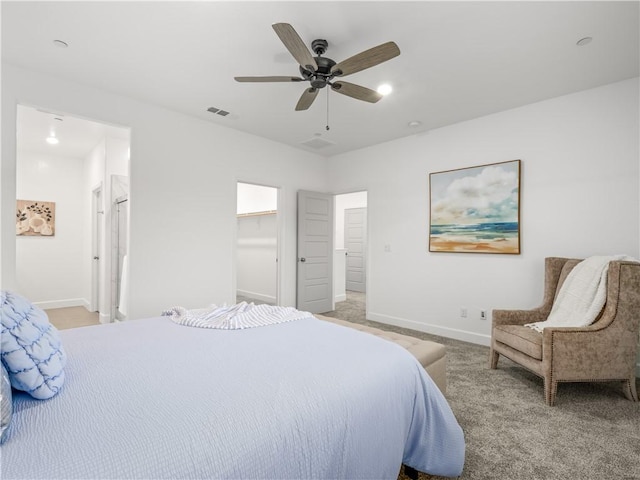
{"type": "Point", "coordinates": [323, 74]}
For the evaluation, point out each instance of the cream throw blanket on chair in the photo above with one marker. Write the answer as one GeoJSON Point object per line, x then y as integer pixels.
{"type": "Point", "coordinates": [582, 295]}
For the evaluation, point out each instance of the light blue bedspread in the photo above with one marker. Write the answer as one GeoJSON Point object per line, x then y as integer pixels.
{"type": "Point", "coordinates": [303, 399]}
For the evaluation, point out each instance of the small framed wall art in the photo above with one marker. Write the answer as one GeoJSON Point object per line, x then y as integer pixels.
{"type": "Point", "coordinates": [35, 218]}
{"type": "Point", "coordinates": [476, 209]}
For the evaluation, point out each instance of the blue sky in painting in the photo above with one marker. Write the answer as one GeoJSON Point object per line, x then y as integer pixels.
{"type": "Point", "coordinates": [475, 195]}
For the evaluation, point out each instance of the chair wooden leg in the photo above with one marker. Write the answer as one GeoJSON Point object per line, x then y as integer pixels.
{"type": "Point", "coordinates": [550, 390]}
{"type": "Point", "coordinates": [493, 359]}
{"type": "Point", "coordinates": [629, 389]}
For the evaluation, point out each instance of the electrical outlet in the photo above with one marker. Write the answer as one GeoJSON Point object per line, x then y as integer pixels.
{"type": "Point", "coordinates": [483, 314]}
{"type": "Point", "coordinates": [463, 312]}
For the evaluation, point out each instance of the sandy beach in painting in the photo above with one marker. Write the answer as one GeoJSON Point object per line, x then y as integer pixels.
{"type": "Point", "coordinates": [490, 237]}
{"type": "Point", "coordinates": [503, 245]}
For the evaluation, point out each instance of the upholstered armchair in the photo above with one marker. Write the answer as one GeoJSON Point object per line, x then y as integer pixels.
{"type": "Point", "coordinates": [606, 350]}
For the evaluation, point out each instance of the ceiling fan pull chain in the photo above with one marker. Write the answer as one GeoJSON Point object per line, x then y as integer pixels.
{"type": "Point", "coordinates": [327, 127]}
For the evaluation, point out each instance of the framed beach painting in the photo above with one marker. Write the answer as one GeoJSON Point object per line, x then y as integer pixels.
{"type": "Point", "coordinates": [476, 209]}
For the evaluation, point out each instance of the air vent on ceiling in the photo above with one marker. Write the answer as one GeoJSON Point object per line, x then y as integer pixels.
{"type": "Point", "coordinates": [317, 143]}
{"type": "Point", "coordinates": [218, 111]}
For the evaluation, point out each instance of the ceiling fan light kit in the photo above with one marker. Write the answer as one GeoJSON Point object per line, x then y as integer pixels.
{"type": "Point", "coordinates": [320, 71]}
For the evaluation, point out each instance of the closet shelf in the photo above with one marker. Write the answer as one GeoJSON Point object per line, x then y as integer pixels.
{"type": "Point", "coordinates": [256, 214]}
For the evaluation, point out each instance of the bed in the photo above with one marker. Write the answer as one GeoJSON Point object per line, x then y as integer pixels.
{"type": "Point", "coordinates": [303, 399]}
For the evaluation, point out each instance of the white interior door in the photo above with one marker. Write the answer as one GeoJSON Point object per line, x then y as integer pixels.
{"type": "Point", "coordinates": [355, 241]}
{"type": "Point", "coordinates": [96, 247]}
{"type": "Point", "coordinates": [315, 252]}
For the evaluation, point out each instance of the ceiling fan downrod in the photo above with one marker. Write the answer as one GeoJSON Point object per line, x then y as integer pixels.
{"type": "Point", "coordinates": [327, 127]}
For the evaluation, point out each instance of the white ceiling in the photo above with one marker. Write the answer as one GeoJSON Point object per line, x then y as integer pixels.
{"type": "Point", "coordinates": [77, 136]}
{"type": "Point", "coordinates": [459, 60]}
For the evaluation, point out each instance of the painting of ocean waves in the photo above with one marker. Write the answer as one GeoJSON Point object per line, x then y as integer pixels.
{"type": "Point", "coordinates": [476, 209]}
{"type": "Point", "coordinates": [479, 231]}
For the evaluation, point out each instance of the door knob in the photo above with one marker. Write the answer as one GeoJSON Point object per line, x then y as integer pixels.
{"type": "Point", "coordinates": [303, 259]}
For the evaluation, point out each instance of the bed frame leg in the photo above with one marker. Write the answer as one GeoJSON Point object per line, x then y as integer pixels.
{"type": "Point", "coordinates": [411, 472]}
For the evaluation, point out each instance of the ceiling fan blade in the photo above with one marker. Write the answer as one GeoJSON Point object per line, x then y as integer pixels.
{"type": "Point", "coordinates": [268, 79]}
{"type": "Point", "coordinates": [356, 91]}
{"type": "Point", "coordinates": [295, 45]}
{"type": "Point", "coordinates": [367, 59]}
{"type": "Point", "coordinates": [307, 98]}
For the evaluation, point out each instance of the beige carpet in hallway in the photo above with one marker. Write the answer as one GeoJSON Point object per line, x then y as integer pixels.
{"type": "Point", "coordinates": [72, 317]}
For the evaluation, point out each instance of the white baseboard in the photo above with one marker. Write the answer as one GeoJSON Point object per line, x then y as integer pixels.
{"type": "Point", "coordinates": [257, 296]}
{"type": "Point", "coordinates": [104, 317]}
{"type": "Point", "coordinates": [341, 298]}
{"type": "Point", "coordinates": [69, 302]}
{"type": "Point", "coordinates": [454, 333]}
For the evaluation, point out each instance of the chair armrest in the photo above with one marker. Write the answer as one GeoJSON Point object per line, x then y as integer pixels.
{"type": "Point", "coordinates": [570, 335]}
{"type": "Point", "coordinates": [517, 317]}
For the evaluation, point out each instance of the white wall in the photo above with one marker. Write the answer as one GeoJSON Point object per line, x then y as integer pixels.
{"type": "Point", "coordinates": [183, 185]}
{"type": "Point", "coordinates": [49, 269]}
{"type": "Point", "coordinates": [117, 151]}
{"type": "Point", "coordinates": [580, 197]}
{"type": "Point", "coordinates": [256, 198]}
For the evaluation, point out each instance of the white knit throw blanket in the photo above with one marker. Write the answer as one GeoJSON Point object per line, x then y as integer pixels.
{"type": "Point", "coordinates": [582, 295]}
{"type": "Point", "coordinates": [234, 317]}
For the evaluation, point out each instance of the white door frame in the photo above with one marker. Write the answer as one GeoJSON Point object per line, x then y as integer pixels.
{"type": "Point", "coordinates": [279, 242]}
{"type": "Point", "coordinates": [97, 227]}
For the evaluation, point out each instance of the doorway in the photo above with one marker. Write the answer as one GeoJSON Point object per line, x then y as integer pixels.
{"type": "Point", "coordinates": [257, 269]}
{"type": "Point", "coordinates": [70, 163]}
{"type": "Point", "coordinates": [350, 262]}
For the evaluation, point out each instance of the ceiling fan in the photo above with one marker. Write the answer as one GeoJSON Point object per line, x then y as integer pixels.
{"type": "Point", "coordinates": [320, 71]}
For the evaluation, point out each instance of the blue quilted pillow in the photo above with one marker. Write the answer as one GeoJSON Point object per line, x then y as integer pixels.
{"type": "Point", "coordinates": [31, 349]}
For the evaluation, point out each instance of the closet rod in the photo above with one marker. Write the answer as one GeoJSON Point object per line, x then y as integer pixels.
{"type": "Point", "coordinates": [255, 214]}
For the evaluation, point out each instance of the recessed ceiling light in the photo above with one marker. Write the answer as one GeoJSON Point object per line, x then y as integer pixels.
{"type": "Point", "coordinates": [52, 140]}
{"type": "Point", "coordinates": [414, 123]}
{"type": "Point", "coordinates": [384, 89]}
{"type": "Point", "coordinates": [60, 43]}
{"type": "Point", "coordinates": [584, 41]}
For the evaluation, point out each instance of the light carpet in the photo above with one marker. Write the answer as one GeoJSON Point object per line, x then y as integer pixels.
{"type": "Point", "coordinates": [593, 431]}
